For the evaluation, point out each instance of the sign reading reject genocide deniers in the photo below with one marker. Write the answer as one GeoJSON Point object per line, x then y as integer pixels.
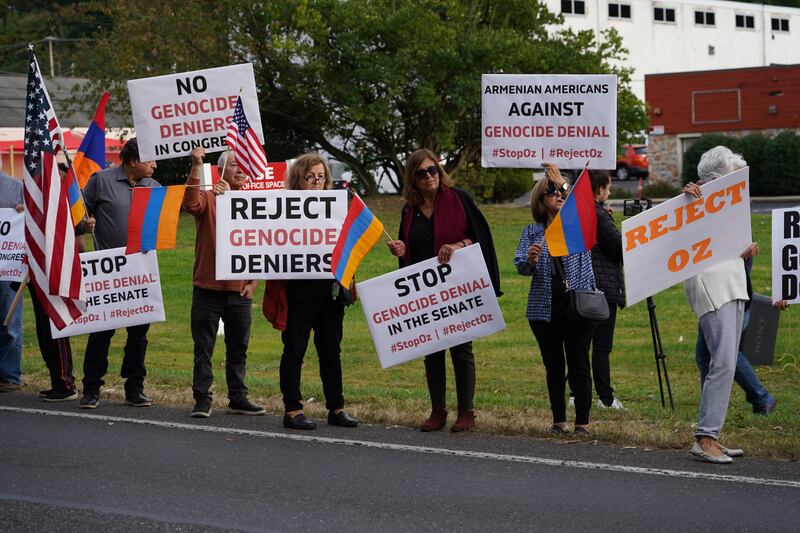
{"type": "Point", "coordinates": [430, 306]}
{"type": "Point", "coordinates": [121, 291]}
{"type": "Point", "coordinates": [786, 254]}
{"type": "Point", "coordinates": [278, 234]}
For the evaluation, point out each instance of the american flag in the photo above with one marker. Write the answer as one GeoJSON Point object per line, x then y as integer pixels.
{"type": "Point", "coordinates": [53, 261]}
{"type": "Point", "coordinates": [244, 142]}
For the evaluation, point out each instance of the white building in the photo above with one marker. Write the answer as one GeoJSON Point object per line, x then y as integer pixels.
{"type": "Point", "coordinates": [687, 35]}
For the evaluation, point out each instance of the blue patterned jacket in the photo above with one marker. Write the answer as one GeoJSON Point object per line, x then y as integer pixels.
{"type": "Point", "coordinates": [578, 268]}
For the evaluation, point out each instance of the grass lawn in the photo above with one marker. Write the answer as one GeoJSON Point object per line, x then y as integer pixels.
{"type": "Point", "coordinates": [511, 396]}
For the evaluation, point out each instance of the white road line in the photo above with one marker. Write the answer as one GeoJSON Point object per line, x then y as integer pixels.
{"type": "Point", "coordinates": [423, 449]}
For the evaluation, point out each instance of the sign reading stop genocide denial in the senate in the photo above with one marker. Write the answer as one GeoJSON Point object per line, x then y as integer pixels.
{"type": "Point", "coordinates": [12, 245]}
{"type": "Point", "coordinates": [685, 236]}
{"type": "Point", "coordinates": [530, 119]}
{"type": "Point", "coordinates": [786, 254]}
{"type": "Point", "coordinates": [121, 291]}
{"type": "Point", "coordinates": [430, 306]}
{"type": "Point", "coordinates": [175, 113]}
{"type": "Point", "coordinates": [278, 234]}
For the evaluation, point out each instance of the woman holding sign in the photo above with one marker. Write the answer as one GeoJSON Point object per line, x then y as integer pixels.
{"type": "Point", "coordinates": [298, 306]}
{"type": "Point", "coordinates": [436, 221]}
{"type": "Point", "coordinates": [547, 305]}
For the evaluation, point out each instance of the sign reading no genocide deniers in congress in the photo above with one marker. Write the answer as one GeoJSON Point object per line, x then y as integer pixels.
{"type": "Point", "coordinates": [530, 119]}
{"type": "Point", "coordinates": [786, 254]}
{"type": "Point", "coordinates": [175, 113]}
{"type": "Point", "coordinates": [12, 245]}
{"type": "Point", "coordinates": [278, 234]}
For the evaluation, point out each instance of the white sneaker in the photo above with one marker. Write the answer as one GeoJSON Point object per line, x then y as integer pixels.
{"type": "Point", "coordinates": [616, 404]}
{"type": "Point", "coordinates": [572, 401]}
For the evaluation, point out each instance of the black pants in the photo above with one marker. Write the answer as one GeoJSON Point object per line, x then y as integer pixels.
{"type": "Point", "coordinates": [208, 306]}
{"type": "Point", "coordinates": [57, 353]}
{"type": "Point", "coordinates": [95, 362]}
{"type": "Point", "coordinates": [555, 338]}
{"type": "Point", "coordinates": [464, 370]}
{"type": "Point", "coordinates": [325, 316]}
{"type": "Point", "coordinates": [602, 344]}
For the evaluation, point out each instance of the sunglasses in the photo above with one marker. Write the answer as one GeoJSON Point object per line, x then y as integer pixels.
{"type": "Point", "coordinates": [555, 190]}
{"type": "Point", "coordinates": [422, 173]}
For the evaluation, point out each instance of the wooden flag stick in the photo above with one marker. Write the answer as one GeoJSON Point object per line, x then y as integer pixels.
{"type": "Point", "coordinates": [15, 303]}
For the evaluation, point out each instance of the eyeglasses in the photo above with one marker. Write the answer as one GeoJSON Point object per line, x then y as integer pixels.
{"type": "Point", "coordinates": [422, 173]}
{"type": "Point", "coordinates": [314, 180]}
{"type": "Point", "coordinates": [555, 190]}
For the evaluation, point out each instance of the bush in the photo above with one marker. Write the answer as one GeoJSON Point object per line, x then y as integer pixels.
{"type": "Point", "coordinates": [703, 144]}
{"type": "Point", "coordinates": [494, 185]}
{"type": "Point", "coordinates": [661, 189]}
{"type": "Point", "coordinates": [753, 147]}
{"type": "Point", "coordinates": [782, 164]}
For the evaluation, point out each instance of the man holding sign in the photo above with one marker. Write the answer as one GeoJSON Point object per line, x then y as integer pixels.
{"type": "Point", "coordinates": [10, 336]}
{"type": "Point", "coordinates": [213, 300]}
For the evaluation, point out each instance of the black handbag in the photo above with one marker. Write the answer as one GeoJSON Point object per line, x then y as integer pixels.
{"type": "Point", "coordinates": [589, 307]}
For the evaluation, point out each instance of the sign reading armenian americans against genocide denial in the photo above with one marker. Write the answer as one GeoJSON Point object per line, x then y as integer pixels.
{"type": "Point", "coordinates": [685, 236]}
{"type": "Point", "coordinates": [567, 120]}
{"type": "Point", "coordinates": [278, 234]}
{"type": "Point", "coordinates": [430, 306]}
{"type": "Point", "coordinates": [175, 113]}
{"type": "Point", "coordinates": [12, 245]}
{"type": "Point", "coordinates": [786, 254]}
{"type": "Point", "coordinates": [121, 291]}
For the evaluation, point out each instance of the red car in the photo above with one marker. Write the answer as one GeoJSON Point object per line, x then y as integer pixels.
{"type": "Point", "coordinates": [632, 162]}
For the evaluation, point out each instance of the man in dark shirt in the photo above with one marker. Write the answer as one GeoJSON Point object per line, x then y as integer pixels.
{"type": "Point", "coordinates": [108, 200]}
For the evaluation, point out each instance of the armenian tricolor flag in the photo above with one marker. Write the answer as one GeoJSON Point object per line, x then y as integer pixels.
{"type": "Point", "coordinates": [361, 230]}
{"type": "Point", "coordinates": [76, 206]}
{"type": "Point", "coordinates": [575, 227]}
{"type": "Point", "coordinates": [91, 155]}
{"type": "Point", "coordinates": [153, 220]}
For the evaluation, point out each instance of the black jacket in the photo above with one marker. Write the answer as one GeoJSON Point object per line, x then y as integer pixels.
{"type": "Point", "coordinates": [607, 258]}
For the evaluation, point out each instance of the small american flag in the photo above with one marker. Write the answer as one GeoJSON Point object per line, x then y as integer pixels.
{"type": "Point", "coordinates": [53, 260]}
{"type": "Point", "coordinates": [244, 142]}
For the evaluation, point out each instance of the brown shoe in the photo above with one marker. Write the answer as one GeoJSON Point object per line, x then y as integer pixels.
{"type": "Point", "coordinates": [7, 386]}
{"type": "Point", "coordinates": [464, 422]}
{"type": "Point", "coordinates": [436, 421]}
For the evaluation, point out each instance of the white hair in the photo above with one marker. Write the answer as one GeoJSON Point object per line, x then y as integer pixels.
{"type": "Point", "coordinates": [221, 161]}
{"type": "Point", "coordinates": [718, 162]}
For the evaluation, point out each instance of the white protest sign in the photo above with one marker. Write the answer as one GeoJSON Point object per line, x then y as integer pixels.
{"type": "Point", "coordinates": [786, 254]}
{"type": "Point", "coordinates": [121, 291]}
{"type": "Point", "coordinates": [528, 119]}
{"type": "Point", "coordinates": [685, 236]}
{"type": "Point", "coordinates": [278, 234]}
{"type": "Point", "coordinates": [12, 245]}
{"type": "Point", "coordinates": [430, 306]}
{"type": "Point", "coordinates": [173, 114]}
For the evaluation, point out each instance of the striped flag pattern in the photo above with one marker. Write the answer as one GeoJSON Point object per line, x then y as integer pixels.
{"type": "Point", "coordinates": [244, 142]}
{"type": "Point", "coordinates": [153, 220]}
{"type": "Point", "coordinates": [575, 227]}
{"type": "Point", "coordinates": [359, 233]}
{"type": "Point", "coordinates": [53, 261]}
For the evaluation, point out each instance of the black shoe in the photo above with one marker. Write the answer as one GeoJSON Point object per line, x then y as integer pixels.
{"type": "Point", "coordinates": [43, 393]}
{"type": "Point", "coordinates": [341, 419]}
{"type": "Point", "coordinates": [59, 395]}
{"type": "Point", "coordinates": [299, 421]}
{"type": "Point", "coordinates": [582, 432]}
{"type": "Point", "coordinates": [138, 399]}
{"type": "Point", "coordinates": [202, 408]}
{"type": "Point", "coordinates": [90, 400]}
{"type": "Point", "coordinates": [244, 407]}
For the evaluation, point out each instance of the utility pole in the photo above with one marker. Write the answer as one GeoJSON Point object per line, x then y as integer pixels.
{"type": "Point", "coordinates": [50, 40]}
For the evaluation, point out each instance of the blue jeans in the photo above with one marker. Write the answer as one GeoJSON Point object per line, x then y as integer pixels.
{"type": "Point", "coordinates": [745, 376]}
{"type": "Point", "coordinates": [10, 337]}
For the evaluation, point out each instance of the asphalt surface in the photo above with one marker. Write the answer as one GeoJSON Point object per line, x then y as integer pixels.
{"type": "Point", "coordinates": [121, 468]}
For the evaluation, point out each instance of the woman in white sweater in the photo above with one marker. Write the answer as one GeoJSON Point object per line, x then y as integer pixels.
{"type": "Point", "coordinates": [717, 297]}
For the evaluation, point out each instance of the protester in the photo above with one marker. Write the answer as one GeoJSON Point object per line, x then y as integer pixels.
{"type": "Point", "coordinates": [108, 195]}
{"type": "Point", "coordinates": [296, 307]}
{"type": "Point", "coordinates": [547, 303]}
{"type": "Point", "coordinates": [10, 336]}
{"type": "Point", "coordinates": [213, 300]}
{"type": "Point", "coordinates": [436, 221]}
{"type": "Point", "coordinates": [607, 268]}
{"type": "Point", "coordinates": [717, 296]}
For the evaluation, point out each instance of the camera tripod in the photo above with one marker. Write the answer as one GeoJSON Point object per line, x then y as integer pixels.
{"type": "Point", "coordinates": [661, 358]}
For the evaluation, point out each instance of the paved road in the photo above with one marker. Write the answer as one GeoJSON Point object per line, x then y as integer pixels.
{"type": "Point", "coordinates": [126, 469]}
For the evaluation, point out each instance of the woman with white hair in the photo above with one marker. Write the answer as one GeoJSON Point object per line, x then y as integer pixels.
{"type": "Point", "coordinates": [717, 296]}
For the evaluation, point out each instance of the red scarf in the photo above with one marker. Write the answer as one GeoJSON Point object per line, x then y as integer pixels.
{"type": "Point", "coordinates": [449, 221]}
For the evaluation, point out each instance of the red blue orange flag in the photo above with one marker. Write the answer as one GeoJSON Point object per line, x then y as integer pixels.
{"type": "Point", "coordinates": [76, 206]}
{"type": "Point", "coordinates": [91, 155]}
{"type": "Point", "coordinates": [360, 232]}
{"type": "Point", "coordinates": [153, 220]}
{"type": "Point", "coordinates": [575, 227]}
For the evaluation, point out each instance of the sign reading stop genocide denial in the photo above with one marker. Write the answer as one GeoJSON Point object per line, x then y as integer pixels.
{"type": "Point", "coordinates": [121, 291]}
{"type": "Point", "coordinates": [530, 119]}
{"type": "Point", "coordinates": [278, 234]}
{"type": "Point", "coordinates": [685, 236]}
{"type": "Point", "coordinates": [786, 254]}
{"type": "Point", "coordinates": [175, 113]}
{"type": "Point", "coordinates": [12, 245]}
{"type": "Point", "coordinates": [430, 306]}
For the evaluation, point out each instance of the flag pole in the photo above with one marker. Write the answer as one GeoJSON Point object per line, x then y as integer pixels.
{"type": "Point", "coordinates": [15, 302]}
{"type": "Point", "coordinates": [225, 163]}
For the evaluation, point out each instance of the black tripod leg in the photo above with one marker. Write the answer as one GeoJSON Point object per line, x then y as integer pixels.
{"type": "Point", "coordinates": [661, 358]}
